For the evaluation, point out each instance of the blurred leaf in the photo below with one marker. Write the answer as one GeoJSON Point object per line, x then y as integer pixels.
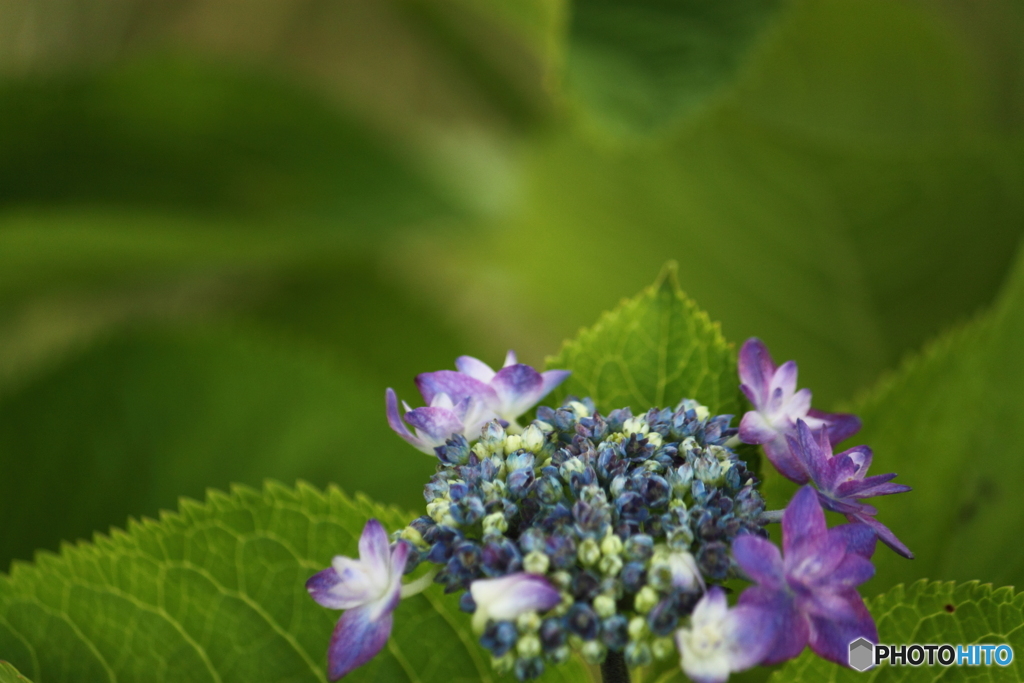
{"type": "Point", "coordinates": [930, 612]}
{"type": "Point", "coordinates": [639, 67]}
{"type": "Point", "coordinates": [216, 593]}
{"type": "Point", "coordinates": [8, 674]}
{"type": "Point", "coordinates": [187, 134]}
{"type": "Point", "coordinates": [950, 424]}
{"type": "Point", "coordinates": [822, 206]}
{"type": "Point", "coordinates": [653, 350]}
{"type": "Point", "coordinates": [129, 425]}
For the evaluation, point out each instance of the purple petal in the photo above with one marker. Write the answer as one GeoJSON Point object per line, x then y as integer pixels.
{"type": "Point", "coordinates": [320, 587]}
{"type": "Point", "coordinates": [356, 640]}
{"type": "Point", "coordinates": [507, 597]}
{"type": "Point", "coordinates": [754, 429]}
{"type": "Point", "coordinates": [395, 419]}
{"type": "Point", "coordinates": [760, 559]}
{"type": "Point", "coordinates": [884, 534]}
{"type": "Point", "coordinates": [510, 358]}
{"type": "Point", "coordinates": [751, 630]}
{"type": "Point", "coordinates": [860, 539]}
{"type": "Point", "coordinates": [756, 370]}
{"type": "Point", "coordinates": [830, 637]}
{"type": "Point", "coordinates": [551, 379]}
{"type": "Point", "coordinates": [784, 378]}
{"type": "Point", "coordinates": [851, 572]}
{"type": "Point", "coordinates": [374, 548]}
{"type": "Point", "coordinates": [455, 384]}
{"type": "Point", "coordinates": [813, 453]}
{"type": "Point", "coordinates": [803, 526]}
{"type": "Point", "coordinates": [784, 624]}
{"type": "Point", "coordinates": [780, 455]}
{"type": "Point", "coordinates": [477, 369]}
{"type": "Point", "coordinates": [840, 426]}
{"type": "Point", "coordinates": [438, 424]}
{"type": "Point", "coordinates": [519, 387]}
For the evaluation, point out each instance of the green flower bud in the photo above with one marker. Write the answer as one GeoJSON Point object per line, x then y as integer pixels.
{"type": "Point", "coordinates": [513, 443]}
{"type": "Point", "coordinates": [578, 408]}
{"type": "Point", "coordinates": [588, 552]}
{"type": "Point", "coordinates": [612, 544]}
{"type": "Point", "coordinates": [528, 622]}
{"type": "Point", "coordinates": [561, 579]}
{"type": "Point", "coordinates": [410, 534]}
{"type": "Point", "coordinates": [654, 438]}
{"type": "Point", "coordinates": [646, 599]}
{"type": "Point", "coordinates": [503, 664]}
{"type": "Point", "coordinates": [560, 655]}
{"type": "Point", "coordinates": [536, 562]}
{"type": "Point", "coordinates": [637, 628]}
{"type": "Point", "coordinates": [635, 425]}
{"type": "Point", "coordinates": [663, 648]}
{"type": "Point", "coordinates": [638, 654]}
{"type": "Point", "coordinates": [532, 439]}
{"type": "Point", "coordinates": [593, 652]}
{"type": "Point", "coordinates": [604, 605]}
{"type": "Point", "coordinates": [528, 646]}
{"type": "Point", "coordinates": [495, 523]}
{"type": "Point", "coordinates": [437, 509]}
{"type": "Point", "coordinates": [610, 565]}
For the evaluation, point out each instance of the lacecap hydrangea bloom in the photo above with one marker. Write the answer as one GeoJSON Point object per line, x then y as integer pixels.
{"type": "Point", "coordinates": [608, 534]}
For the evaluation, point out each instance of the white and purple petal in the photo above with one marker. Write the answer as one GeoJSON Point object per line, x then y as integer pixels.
{"type": "Point", "coordinates": [356, 640]}
{"type": "Point", "coordinates": [756, 370]}
{"type": "Point", "coordinates": [519, 387]}
{"type": "Point", "coordinates": [434, 426]}
{"type": "Point", "coordinates": [395, 420]}
{"type": "Point", "coordinates": [475, 368]}
{"type": "Point", "coordinates": [456, 385]}
{"type": "Point", "coordinates": [507, 597]}
{"type": "Point", "coordinates": [840, 426]}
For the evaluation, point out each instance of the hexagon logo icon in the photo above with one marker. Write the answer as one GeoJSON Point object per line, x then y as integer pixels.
{"type": "Point", "coordinates": [862, 654]}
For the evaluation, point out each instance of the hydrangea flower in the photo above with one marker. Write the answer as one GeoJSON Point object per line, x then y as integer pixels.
{"type": "Point", "coordinates": [810, 595]}
{"type": "Point", "coordinates": [720, 641]}
{"type": "Point", "coordinates": [509, 392]}
{"type": "Point", "coordinates": [842, 482]}
{"type": "Point", "coordinates": [777, 407]}
{"type": "Point", "coordinates": [368, 589]}
{"type": "Point", "coordinates": [439, 421]}
{"type": "Point", "coordinates": [505, 598]}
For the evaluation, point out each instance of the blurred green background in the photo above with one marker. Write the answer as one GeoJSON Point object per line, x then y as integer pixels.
{"type": "Point", "coordinates": [226, 227]}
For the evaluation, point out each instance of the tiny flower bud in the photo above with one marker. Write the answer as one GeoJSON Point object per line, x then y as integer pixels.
{"type": "Point", "coordinates": [528, 646]}
{"type": "Point", "coordinates": [562, 579]}
{"type": "Point", "coordinates": [503, 664]}
{"type": "Point", "coordinates": [593, 652]}
{"type": "Point", "coordinates": [604, 606]}
{"type": "Point", "coordinates": [610, 565]}
{"type": "Point", "coordinates": [638, 654]}
{"type": "Point", "coordinates": [654, 438]}
{"type": "Point", "coordinates": [560, 655]}
{"type": "Point", "coordinates": [635, 425]}
{"type": "Point", "coordinates": [646, 599]}
{"type": "Point", "coordinates": [637, 628]}
{"type": "Point", "coordinates": [495, 523]}
{"type": "Point", "coordinates": [536, 562]}
{"type": "Point", "coordinates": [612, 544]}
{"type": "Point", "coordinates": [663, 648]}
{"type": "Point", "coordinates": [437, 509]}
{"type": "Point", "coordinates": [513, 443]}
{"type": "Point", "coordinates": [528, 622]}
{"type": "Point", "coordinates": [413, 536]}
{"type": "Point", "coordinates": [578, 408]}
{"type": "Point", "coordinates": [532, 439]}
{"type": "Point", "coordinates": [588, 552]}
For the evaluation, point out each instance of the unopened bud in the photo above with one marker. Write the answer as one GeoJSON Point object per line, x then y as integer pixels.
{"type": "Point", "coordinates": [536, 562]}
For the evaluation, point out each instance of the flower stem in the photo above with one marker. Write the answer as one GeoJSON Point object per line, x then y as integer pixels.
{"type": "Point", "coordinates": [614, 669]}
{"type": "Point", "coordinates": [419, 585]}
{"type": "Point", "coordinates": [771, 516]}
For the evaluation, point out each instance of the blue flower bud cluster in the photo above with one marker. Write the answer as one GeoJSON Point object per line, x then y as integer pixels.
{"type": "Point", "coordinates": [626, 515]}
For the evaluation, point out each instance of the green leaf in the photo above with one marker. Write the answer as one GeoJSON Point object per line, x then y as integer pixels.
{"type": "Point", "coordinates": [202, 135]}
{"type": "Point", "coordinates": [638, 67]}
{"type": "Point", "coordinates": [8, 674]}
{"type": "Point", "coordinates": [931, 612]}
{"type": "Point", "coordinates": [653, 350]}
{"type": "Point", "coordinates": [216, 593]}
{"type": "Point", "coordinates": [950, 424]}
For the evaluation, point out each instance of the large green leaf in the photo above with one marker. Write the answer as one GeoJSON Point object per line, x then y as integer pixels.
{"type": "Point", "coordinates": [216, 593]}
{"type": "Point", "coordinates": [821, 206]}
{"type": "Point", "coordinates": [653, 350]}
{"type": "Point", "coordinates": [950, 424]}
{"type": "Point", "coordinates": [931, 612]}
{"type": "Point", "coordinates": [8, 674]}
{"type": "Point", "coordinates": [641, 66]}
